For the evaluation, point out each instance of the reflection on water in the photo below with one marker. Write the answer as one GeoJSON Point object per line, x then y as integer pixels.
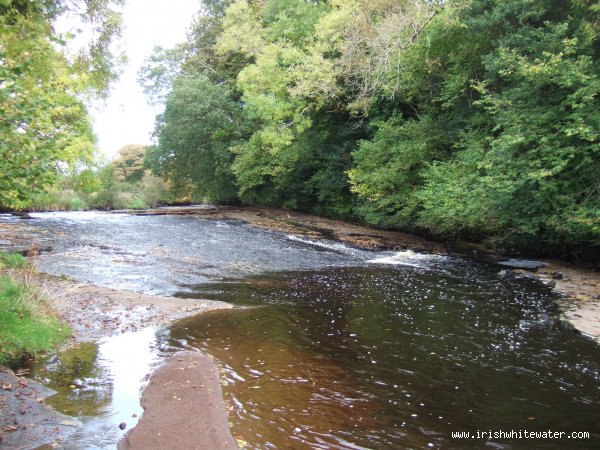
{"type": "Point", "coordinates": [396, 357]}
{"type": "Point", "coordinates": [100, 383]}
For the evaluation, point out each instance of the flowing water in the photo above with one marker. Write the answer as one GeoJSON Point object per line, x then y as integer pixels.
{"type": "Point", "coordinates": [335, 347]}
{"type": "Point", "coordinates": [397, 357]}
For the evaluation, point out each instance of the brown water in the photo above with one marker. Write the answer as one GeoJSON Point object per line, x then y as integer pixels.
{"type": "Point", "coordinates": [381, 357]}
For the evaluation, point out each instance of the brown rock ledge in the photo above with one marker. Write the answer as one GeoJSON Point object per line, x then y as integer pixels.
{"type": "Point", "coordinates": [95, 312]}
{"type": "Point", "coordinates": [183, 408]}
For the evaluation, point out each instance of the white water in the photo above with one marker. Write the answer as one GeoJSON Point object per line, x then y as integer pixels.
{"type": "Point", "coordinates": [329, 245]}
{"type": "Point", "coordinates": [407, 258]}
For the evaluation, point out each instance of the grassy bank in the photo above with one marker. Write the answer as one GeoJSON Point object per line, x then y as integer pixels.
{"type": "Point", "coordinates": [28, 327]}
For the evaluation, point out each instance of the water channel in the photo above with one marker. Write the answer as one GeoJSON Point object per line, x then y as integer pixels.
{"type": "Point", "coordinates": [334, 347]}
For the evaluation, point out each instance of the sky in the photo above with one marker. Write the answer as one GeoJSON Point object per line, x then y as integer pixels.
{"type": "Point", "coordinates": [126, 117]}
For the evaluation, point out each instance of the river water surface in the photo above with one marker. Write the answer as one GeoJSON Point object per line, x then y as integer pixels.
{"type": "Point", "coordinates": [336, 347]}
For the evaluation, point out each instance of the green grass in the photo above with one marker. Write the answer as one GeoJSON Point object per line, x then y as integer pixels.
{"type": "Point", "coordinates": [12, 260]}
{"type": "Point", "coordinates": [27, 325]}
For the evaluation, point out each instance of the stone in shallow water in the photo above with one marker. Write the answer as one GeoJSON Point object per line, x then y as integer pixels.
{"type": "Point", "coordinates": [37, 424]}
{"type": "Point", "coordinates": [522, 264]}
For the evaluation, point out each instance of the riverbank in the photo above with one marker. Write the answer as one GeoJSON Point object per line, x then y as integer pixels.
{"type": "Point", "coordinates": [580, 291]}
{"type": "Point", "coordinates": [25, 420]}
{"type": "Point", "coordinates": [94, 313]}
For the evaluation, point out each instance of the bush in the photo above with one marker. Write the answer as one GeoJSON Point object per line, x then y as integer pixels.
{"type": "Point", "coordinates": [135, 203]}
{"type": "Point", "coordinates": [59, 200]}
{"type": "Point", "coordinates": [153, 189]}
{"type": "Point", "coordinates": [12, 260]}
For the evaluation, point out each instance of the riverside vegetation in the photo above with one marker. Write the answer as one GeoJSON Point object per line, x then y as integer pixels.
{"type": "Point", "coordinates": [467, 119]}
{"type": "Point", "coordinates": [27, 325]}
{"type": "Point", "coordinates": [125, 182]}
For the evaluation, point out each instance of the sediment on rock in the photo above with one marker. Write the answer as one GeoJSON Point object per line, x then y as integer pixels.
{"type": "Point", "coordinates": [183, 408]}
{"type": "Point", "coordinates": [25, 420]}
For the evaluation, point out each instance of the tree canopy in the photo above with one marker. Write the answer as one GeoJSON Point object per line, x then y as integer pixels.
{"type": "Point", "coordinates": [44, 124]}
{"type": "Point", "coordinates": [469, 119]}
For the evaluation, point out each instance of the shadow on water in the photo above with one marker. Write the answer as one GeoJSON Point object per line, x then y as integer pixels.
{"type": "Point", "coordinates": [396, 357]}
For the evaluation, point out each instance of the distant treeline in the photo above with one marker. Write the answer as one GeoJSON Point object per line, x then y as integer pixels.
{"type": "Point", "coordinates": [471, 119]}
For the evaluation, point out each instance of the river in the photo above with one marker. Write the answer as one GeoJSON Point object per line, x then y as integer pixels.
{"type": "Point", "coordinates": [334, 347]}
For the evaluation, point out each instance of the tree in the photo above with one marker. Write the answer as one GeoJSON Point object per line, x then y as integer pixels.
{"type": "Point", "coordinates": [469, 119]}
{"type": "Point", "coordinates": [532, 149]}
{"type": "Point", "coordinates": [129, 163]}
{"type": "Point", "coordinates": [44, 125]}
{"type": "Point", "coordinates": [200, 123]}
{"type": "Point", "coordinates": [504, 98]}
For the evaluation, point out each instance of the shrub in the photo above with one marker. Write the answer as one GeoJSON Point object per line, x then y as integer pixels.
{"type": "Point", "coordinates": [12, 260]}
{"type": "Point", "coordinates": [135, 203]}
{"type": "Point", "coordinates": [153, 189]}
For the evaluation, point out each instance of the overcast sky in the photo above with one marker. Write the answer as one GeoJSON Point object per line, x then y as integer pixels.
{"type": "Point", "coordinates": [126, 117]}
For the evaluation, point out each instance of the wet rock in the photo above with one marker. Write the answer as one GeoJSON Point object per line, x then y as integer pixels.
{"type": "Point", "coordinates": [31, 251]}
{"type": "Point", "coordinates": [523, 264]}
{"type": "Point", "coordinates": [25, 418]}
{"type": "Point", "coordinates": [198, 420]}
{"type": "Point", "coordinates": [566, 324]}
{"type": "Point", "coordinates": [70, 423]}
{"type": "Point", "coordinates": [21, 215]}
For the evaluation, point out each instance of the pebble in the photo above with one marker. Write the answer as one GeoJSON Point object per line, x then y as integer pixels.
{"type": "Point", "coordinates": [69, 423]}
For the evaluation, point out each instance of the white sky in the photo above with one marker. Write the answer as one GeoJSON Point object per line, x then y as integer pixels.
{"type": "Point", "coordinates": [126, 117]}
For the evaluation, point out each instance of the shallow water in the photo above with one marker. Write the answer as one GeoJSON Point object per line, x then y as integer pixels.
{"type": "Point", "coordinates": [163, 254]}
{"type": "Point", "coordinates": [100, 384]}
{"type": "Point", "coordinates": [343, 348]}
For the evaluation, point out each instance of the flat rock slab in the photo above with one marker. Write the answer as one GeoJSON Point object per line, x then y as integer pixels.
{"type": "Point", "coordinates": [26, 422]}
{"type": "Point", "coordinates": [183, 408]}
{"type": "Point", "coordinates": [523, 264]}
{"type": "Point", "coordinates": [584, 316]}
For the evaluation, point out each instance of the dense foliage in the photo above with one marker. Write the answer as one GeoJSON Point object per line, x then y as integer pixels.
{"type": "Point", "coordinates": [469, 119]}
{"type": "Point", "coordinates": [45, 130]}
